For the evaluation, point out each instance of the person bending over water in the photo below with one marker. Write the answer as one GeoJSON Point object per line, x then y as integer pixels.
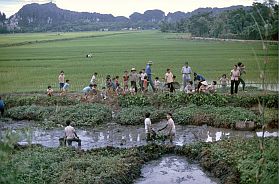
{"type": "Point", "coordinates": [170, 128]}
{"type": "Point", "coordinates": [70, 135]}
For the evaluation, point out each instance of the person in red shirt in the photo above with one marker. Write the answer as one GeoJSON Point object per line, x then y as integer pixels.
{"type": "Point", "coordinates": [125, 78]}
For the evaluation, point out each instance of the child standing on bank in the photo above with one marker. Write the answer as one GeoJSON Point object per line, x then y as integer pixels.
{"type": "Point", "coordinates": [125, 78]}
{"type": "Point", "coordinates": [157, 84]}
{"type": "Point", "coordinates": [61, 80]}
{"type": "Point", "coordinates": [224, 82]}
{"type": "Point", "coordinates": [65, 88]}
{"type": "Point", "coordinates": [145, 84]}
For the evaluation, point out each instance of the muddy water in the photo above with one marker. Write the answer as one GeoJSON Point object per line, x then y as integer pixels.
{"type": "Point", "coordinates": [173, 169]}
{"type": "Point", "coordinates": [121, 136]}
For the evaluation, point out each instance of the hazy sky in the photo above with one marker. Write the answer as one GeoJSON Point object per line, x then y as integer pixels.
{"type": "Point", "coordinates": [123, 7]}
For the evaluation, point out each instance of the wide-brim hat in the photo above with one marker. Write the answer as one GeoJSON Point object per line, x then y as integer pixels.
{"type": "Point", "coordinates": [204, 83]}
{"type": "Point", "coordinates": [133, 69]}
{"type": "Point", "coordinates": [150, 62]}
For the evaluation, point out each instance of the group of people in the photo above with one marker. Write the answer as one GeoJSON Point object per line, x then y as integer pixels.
{"type": "Point", "coordinates": [63, 85]}
{"type": "Point", "coordinates": [151, 133]}
{"type": "Point", "coordinates": [134, 82]}
{"type": "Point", "coordinates": [70, 134]}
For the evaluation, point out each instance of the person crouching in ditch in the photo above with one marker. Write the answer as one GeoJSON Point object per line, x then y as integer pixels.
{"type": "Point", "coordinates": [70, 135]}
{"type": "Point", "coordinates": [170, 128]}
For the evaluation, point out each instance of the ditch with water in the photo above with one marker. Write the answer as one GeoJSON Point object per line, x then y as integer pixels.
{"type": "Point", "coordinates": [168, 169]}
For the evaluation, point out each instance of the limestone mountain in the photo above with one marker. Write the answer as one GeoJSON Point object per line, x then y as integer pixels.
{"type": "Point", "coordinates": [48, 17]}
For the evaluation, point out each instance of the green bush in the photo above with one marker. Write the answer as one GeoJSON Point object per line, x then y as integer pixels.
{"type": "Point", "coordinates": [245, 156]}
{"type": "Point", "coordinates": [32, 112]}
{"type": "Point", "coordinates": [133, 100]}
{"type": "Point", "coordinates": [62, 165]}
{"type": "Point", "coordinates": [15, 101]}
{"type": "Point", "coordinates": [181, 99]}
{"type": "Point", "coordinates": [270, 100]}
{"type": "Point", "coordinates": [237, 160]}
{"type": "Point", "coordinates": [135, 115]}
{"type": "Point", "coordinates": [225, 117]}
{"type": "Point", "coordinates": [80, 115]}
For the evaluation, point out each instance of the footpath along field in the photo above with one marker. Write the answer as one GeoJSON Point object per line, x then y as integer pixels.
{"type": "Point", "coordinates": [31, 62]}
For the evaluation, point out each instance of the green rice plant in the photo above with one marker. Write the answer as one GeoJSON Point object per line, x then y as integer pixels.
{"type": "Point", "coordinates": [34, 66]}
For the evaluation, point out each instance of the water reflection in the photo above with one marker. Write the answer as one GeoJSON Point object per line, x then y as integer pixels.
{"type": "Point", "coordinates": [173, 169]}
{"type": "Point", "coordinates": [124, 136]}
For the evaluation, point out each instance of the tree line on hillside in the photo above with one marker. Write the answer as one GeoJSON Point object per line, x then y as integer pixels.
{"type": "Point", "coordinates": [259, 21]}
{"type": "Point", "coordinates": [49, 17]}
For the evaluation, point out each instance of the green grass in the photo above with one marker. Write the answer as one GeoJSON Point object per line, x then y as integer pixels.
{"type": "Point", "coordinates": [33, 66]}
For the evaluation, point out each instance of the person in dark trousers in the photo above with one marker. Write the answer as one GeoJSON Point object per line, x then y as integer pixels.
{"type": "Point", "coordinates": [2, 106]}
{"type": "Point", "coordinates": [169, 80]}
{"type": "Point", "coordinates": [149, 74]}
{"type": "Point", "coordinates": [198, 78]}
{"type": "Point", "coordinates": [70, 134]}
{"type": "Point", "coordinates": [234, 80]}
{"type": "Point", "coordinates": [242, 71]}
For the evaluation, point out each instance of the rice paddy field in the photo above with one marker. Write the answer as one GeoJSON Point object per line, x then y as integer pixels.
{"type": "Point", "coordinates": [30, 62]}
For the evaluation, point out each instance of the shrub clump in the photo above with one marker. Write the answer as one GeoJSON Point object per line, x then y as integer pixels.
{"type": "Point", "coordinates": [225, 117]}
{"type": "Point", "coordinates": [80, 115]}
{"type": "Point", "coordinates": [135, 115]}
{"type": "Point", "coordinates": [237, 160]}
{"type": "Point", "coordinates": [61, 165]}
{"type": "Point", "coordinates": [15, 101]}
{"type": "Point", "coordinates": [181, 98]}
{"type": "Point", "coordinates": [270, 100]}
{"type": "Point", "coordinates": [32, 112]}
{"type": "Point", "coordinates": [133, 100]}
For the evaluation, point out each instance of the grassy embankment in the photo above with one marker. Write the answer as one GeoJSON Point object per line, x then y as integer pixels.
{"type": "Point", "coordinates": [233, 161]}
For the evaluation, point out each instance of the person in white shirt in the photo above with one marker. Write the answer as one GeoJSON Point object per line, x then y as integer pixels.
{"type": "Point", "coordinates": [186, 74]}
{"type": "Point", "coordinates": [212, 88]}
{"type": "Point", "coordinates": [148, 127]}
{"type": "Point", "coordinates": [157, 84]}
{"type": "Point", "coordinates": [93, 79]}
{"type": "Point", "coordinates": [61, 80]}
{"type": "Point", "coordinates": [189, 89]}
{"type": "Point", "coordinates": [70, 134]}
{"type": "Point", "coordinates": [170, 127]}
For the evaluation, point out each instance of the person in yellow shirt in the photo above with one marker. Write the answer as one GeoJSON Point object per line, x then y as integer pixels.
{"type": "Point", "coordinates": [169, 80]}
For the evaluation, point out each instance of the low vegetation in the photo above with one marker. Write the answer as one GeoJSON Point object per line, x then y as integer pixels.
{"type": "Point", "coordinates": [232, 161]}
{"type": "Point", "coordinates": [237, 160]}
{"type": "Point", "coordinates": [15, 101]}
{"type": "Point", "coordinates": [135, 115]}
{"type": "Point", "coordinates": [182, 99]}
{"type": "Point", "coordinates": [225, 117]}
{"type": "Point", "coordinates": [52, 116]}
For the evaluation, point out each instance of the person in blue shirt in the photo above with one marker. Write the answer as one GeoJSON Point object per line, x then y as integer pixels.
{"type": "Point", "coordinates": [87, 90]}
{"type": "Point", "coordinates": [2, 106]}
{"type": "Point", "coordinates": [198, 78]}
{"type": "Point", "coordinates": [149, 74]}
